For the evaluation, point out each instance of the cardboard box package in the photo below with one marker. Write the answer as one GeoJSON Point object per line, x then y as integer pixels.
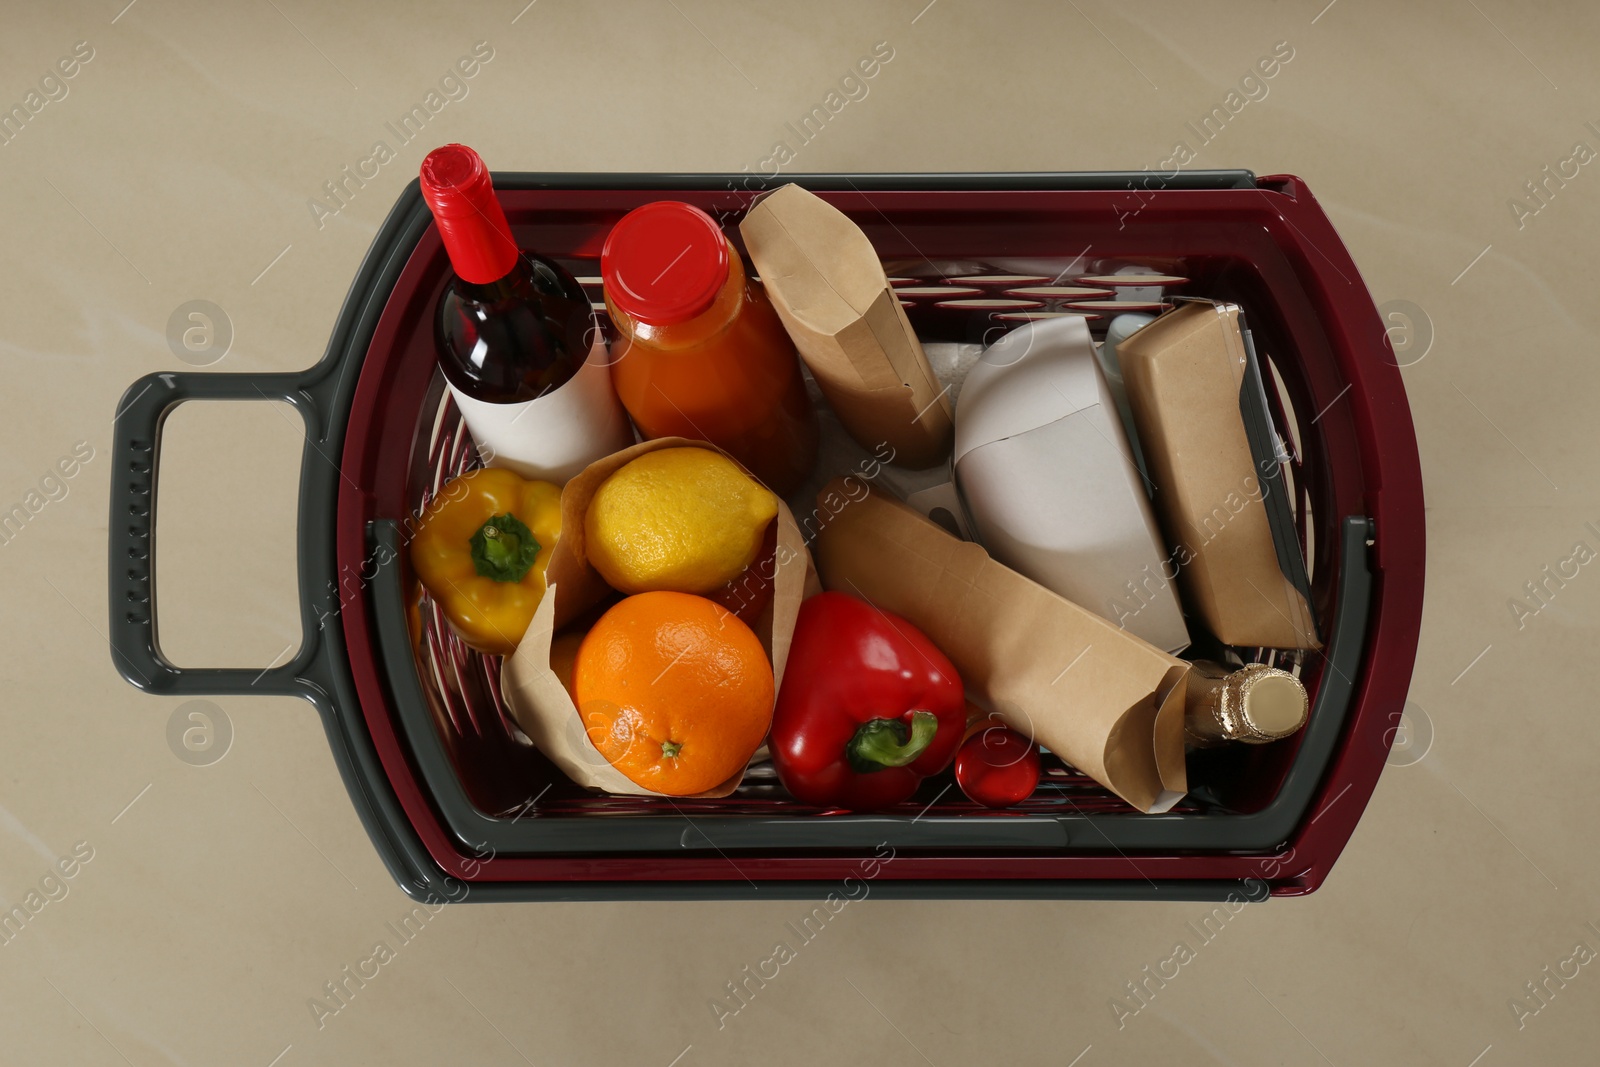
{"type": "Point", "coordinates": [1199, 405]}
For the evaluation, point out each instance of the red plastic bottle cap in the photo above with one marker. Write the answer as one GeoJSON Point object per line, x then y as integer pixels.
{"type": "Point", "coordinates": [456, 186]}
{"type": "Point", "coordinates": [664, 263]}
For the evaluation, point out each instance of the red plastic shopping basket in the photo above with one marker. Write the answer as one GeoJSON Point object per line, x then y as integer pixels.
{"type": "Point", "coordinates": [459, 805]}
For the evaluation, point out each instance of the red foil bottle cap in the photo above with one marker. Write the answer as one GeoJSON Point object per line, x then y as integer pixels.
{"type": "Point", "coordinates": [456, 186]}
{"type": "Point", "coordinates": [664, 263]}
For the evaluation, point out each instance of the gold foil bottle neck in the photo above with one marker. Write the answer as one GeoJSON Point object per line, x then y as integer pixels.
{"type": "Point", "coordinates": [1254, 704]}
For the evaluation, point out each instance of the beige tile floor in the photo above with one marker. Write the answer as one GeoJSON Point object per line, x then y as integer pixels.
{"type": "Point", "coordinates": [219, 899]}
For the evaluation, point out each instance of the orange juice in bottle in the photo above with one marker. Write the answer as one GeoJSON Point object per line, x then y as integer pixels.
{"type": "Point", "coordinates": [700, 353]}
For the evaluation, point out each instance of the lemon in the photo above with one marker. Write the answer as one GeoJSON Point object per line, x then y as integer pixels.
{"type": "Point", "coordinates": [683, 520]}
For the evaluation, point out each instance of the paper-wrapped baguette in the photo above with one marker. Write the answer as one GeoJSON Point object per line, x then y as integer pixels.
{"type": "Point", "coordinates": [1105, 701]}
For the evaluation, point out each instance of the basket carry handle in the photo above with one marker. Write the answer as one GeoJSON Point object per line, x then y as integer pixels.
{"type": "Point", "coordinates": [135, 455]}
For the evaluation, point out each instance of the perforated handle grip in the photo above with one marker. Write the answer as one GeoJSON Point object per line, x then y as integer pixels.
{"type": "Point", "coordinates": [135, 456]}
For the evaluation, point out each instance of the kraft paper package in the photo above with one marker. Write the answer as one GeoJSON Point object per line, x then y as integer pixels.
{"type": "Point", "coordinates": [828, 286]}
{"type": "Point", "coordinates": [1105, 701]}
{"type": "Point", "coordinates": [1199, 405]}
{"type": "Point", "coordinates": [538, 701]}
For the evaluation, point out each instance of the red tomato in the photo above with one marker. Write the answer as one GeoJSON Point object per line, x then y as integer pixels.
{"type": "Point", "coordinates": [997, 767]}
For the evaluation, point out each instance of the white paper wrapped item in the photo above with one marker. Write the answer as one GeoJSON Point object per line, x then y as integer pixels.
{"type": "Point", "coordinates": [1049, 482]}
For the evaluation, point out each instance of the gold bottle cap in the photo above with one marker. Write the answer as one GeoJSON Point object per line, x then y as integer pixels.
{"type": "Point", "coordinates": [1262, 703]}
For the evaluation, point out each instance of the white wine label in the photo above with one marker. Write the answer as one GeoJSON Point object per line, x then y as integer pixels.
{"type": "Point", "coordinates": [554, 436]}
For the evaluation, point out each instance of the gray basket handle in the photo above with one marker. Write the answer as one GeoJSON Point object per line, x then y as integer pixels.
{"type": "Point", "coordinates": [135, 452]}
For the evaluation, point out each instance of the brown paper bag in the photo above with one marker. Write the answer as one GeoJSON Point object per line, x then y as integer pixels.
{"type": "Point", "coordinates": [828, 287]}
{"type": "Point", "coordinates": [533, 692]}
{"type": "Point", "coordinates": [1192, 382]}
{"type": "Point", "coordinates": [1105, 701]}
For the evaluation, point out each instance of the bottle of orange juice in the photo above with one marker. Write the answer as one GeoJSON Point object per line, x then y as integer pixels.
{"type": "Point", "coordinates": [700, 351]}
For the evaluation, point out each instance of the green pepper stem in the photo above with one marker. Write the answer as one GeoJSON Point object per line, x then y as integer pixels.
{"type": "Point", "coordinates": [880, 743]}
{"type": "Point", "coordinates": [500, 548]}
{"type": "Point", "coordinates": [503, 549]}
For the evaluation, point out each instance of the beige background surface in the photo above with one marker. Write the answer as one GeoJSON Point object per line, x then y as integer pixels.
{"type": "Point", "coordinates": [220, 898]}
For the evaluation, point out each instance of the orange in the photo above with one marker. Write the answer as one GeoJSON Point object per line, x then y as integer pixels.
{"type": "Point", "coordinates": [674, 691]}
{"type": "Point", "coordinates": [563, 654]}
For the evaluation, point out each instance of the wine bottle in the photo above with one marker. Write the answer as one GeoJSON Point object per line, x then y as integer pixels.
{"type": "Point", "coordinates": [514, 330]}
{"type": "Point", "coordinates": [1253, 705]}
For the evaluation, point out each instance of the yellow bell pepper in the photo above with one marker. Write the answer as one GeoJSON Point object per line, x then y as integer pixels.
{"type": "Point", "coordinates": [481, 550]}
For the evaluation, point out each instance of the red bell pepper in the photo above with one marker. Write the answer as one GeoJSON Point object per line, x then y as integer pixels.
{"type": "Point", "coordinates": [868, 708]}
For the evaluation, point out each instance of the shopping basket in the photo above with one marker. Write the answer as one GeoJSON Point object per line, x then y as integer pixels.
{"type": "Point", "coordinates": [459, 806]}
